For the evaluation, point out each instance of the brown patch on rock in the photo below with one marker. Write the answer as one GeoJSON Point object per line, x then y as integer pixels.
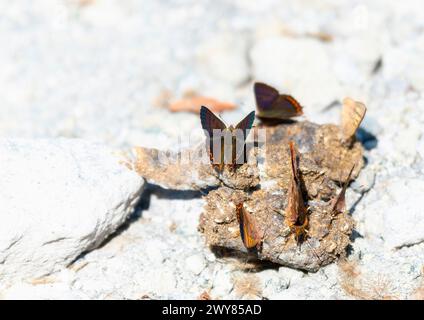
{"type": "Point", "coordinates": [327, 239]}
{"type": "Point", "coordinates": [171, 170]}
{"type": "Point", "coordinates": [262, 184]}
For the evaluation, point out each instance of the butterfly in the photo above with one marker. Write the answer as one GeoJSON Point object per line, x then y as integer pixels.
{"type": "Point", "coordinates": [338, 204]}
{"type": "Point", "coordinates": [226, 144]}
{"type": "Point", "coordinates": [250, 234]}
{"type": "Point", "coordinates": [296, 212]}
{"type": "Point", "coordinates": [273, 105]}
{"type": "Point", "coordinates": [352, 114]}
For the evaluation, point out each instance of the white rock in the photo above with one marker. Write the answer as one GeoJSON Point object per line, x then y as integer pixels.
{"type": "Point", "coordinates": [364, 181]}
{"type": "Point", "coordinates": [405, 145]}
{"type": "Point", "coordinates": [273, 282]}
{"type": "Point", "coordinates": [59, 198]}
{"type": "Point", "coordinates": [222, 284]}
{"type": "Point", "coordinates": [403, 61]}
{"type": "Point", "coordinates": [298, 67]}
{"type": "Point", "coordinates": [49, 291]}
{"type": "Point", "coordinates": [225, 58]}
{"type": "Point", "coordinates": [195, 263]}
{"type": "Point", "coordinates": [396, 212]}
{"type": "Point", "coordinates": [290, 276]}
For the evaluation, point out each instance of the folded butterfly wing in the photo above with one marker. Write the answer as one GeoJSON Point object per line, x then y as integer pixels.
{"type": "Point", "coordinates": [240, 133]}
{"type": "Point", "coordinates": [296, 213]}
{"type": "Point", "coordinates": [265, 96]}
{"type": "Point", "coordinates": [249, 232]}
{"type": "Point", "coordinates": [353, 113]}
{"type": "Point", "coordinates": [272, 105]}
{"type": "Point", "coordinates": [338, 204]}
{"type": "Point", "coordinates": [214, 129]}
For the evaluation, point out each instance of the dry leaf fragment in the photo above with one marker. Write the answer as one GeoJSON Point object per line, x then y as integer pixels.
{"type": "Point", "coordinates": [193, 104]}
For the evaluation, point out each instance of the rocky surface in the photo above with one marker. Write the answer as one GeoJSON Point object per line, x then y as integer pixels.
{"type": "Point", "coordinates": [59, 198]}
{"type": "Point", "coordinates": [94, 70]}
{"type": "Point", "coordinates": [262, 184]}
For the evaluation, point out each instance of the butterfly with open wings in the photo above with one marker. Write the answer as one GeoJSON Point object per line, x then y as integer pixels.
{"type": "Point", "coordinates": [226, 144]}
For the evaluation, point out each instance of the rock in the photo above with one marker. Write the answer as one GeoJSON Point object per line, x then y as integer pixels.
{"type": "Point", "coordinates": [189, 169]}
{"type": "Point", "coordinates": [323, 160]}
{"type": "Point", "coordinates": [48, 291]}
{"type": "Point", "coordinates": [397, 67]}
{"type": "Point", "coordinates": [405, 145]}
{"type": "Point", "coordinates": [195, 263]}
{"type": "Point", "coordinates": [222, 284]}
{"type": "Point", "coordinates": [171, 170]}
{"type": "Point", "coordinates": [299, 67]}
{"type": "Point", "coordinates": [262, 183]}
{"type": "Point", "coordinates": [60, 198]}
{"type": "Point", "coordinates": [365, 181]}
{"type": "Point", "coordinates": [225, 58]}
{"type": "Point", "coordinates": [273, 282]}
{"type": "Point", "coordinates": [395, 214]}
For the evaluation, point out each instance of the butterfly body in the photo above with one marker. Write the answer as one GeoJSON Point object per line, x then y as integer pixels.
{"type": "Point", "coordinates": [249, 232]}
{"type": "Point", "coordinates": [296, 212]}
{"type": "Point", "coordinates": [226, 144]}
{"type": "Point", "coordinates": [273, 105]}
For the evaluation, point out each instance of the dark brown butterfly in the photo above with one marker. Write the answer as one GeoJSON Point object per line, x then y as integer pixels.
{"type": "Point", "coordinates": [273, 105]}
{"type": "Point", "coordinates": [226, 144]}
{"type": "Point", "coordinates": [338, 204]}
{"type": "Point", "coordinates": [250, 234]}
{"type": "Point", "coordinates": [296, 212]}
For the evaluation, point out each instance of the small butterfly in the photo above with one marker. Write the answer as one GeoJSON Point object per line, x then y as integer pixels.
{"type": "Point", "coordinates": [352, 114]}
{"type": "Point", "coordinates": [273, 105]}
{"type": "Point", "coordinates": [338, 204]}
{"type": "Point", "coordinates": [296, 212]}
{"type": "Point", "coordinates": [226, 144]}
{"type": "Point", "coordinates": [250, 234]}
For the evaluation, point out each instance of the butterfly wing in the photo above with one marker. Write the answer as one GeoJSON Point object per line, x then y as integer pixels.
{"type": "Point", "coordinates": [246, 123]}
{"type": "Point", "coordinates": [239, 137]}
{"type": "Point", "coordinates": [283, 108]}
{"type": "Point", "coordinates": [286, 107]}
{"type": "Point", "coordinates": [272, 105]}
{"type": "Point", "coordinates": [339, 203]}
{"type": "Point", "coordinates": [295, 211]}
{"type": "Point", "coordinates": [248, 232]}
{"type": "Point", "coordinates": [352, 114]}
{"type": "Point", "coordinates": [265, 96]}
{"type": "Point", "coordinates": [211, 122]}
{"type": "Point", "coordinates": [293, 161]}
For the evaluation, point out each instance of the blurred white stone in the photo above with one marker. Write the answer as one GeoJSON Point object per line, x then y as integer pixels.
{"type": "Point", "coordinates": [301, 67]}
{"type": "Point", "coordinates": [48, 291]}
{"type": "Point", "coordinates": [364, 181]}
{"type": "Point", "coordinates": [225, 58]}
{"type": "Point", "coordinates": [59, 198]}
{"type": "Point", "coordinates": [402, 62]}
{"type": "Point", "coordinates": [222, 284]}
{"type": "Point", "coordinates": [195, 263]}
{"type": "Point", "coordinates": [395, 215]}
